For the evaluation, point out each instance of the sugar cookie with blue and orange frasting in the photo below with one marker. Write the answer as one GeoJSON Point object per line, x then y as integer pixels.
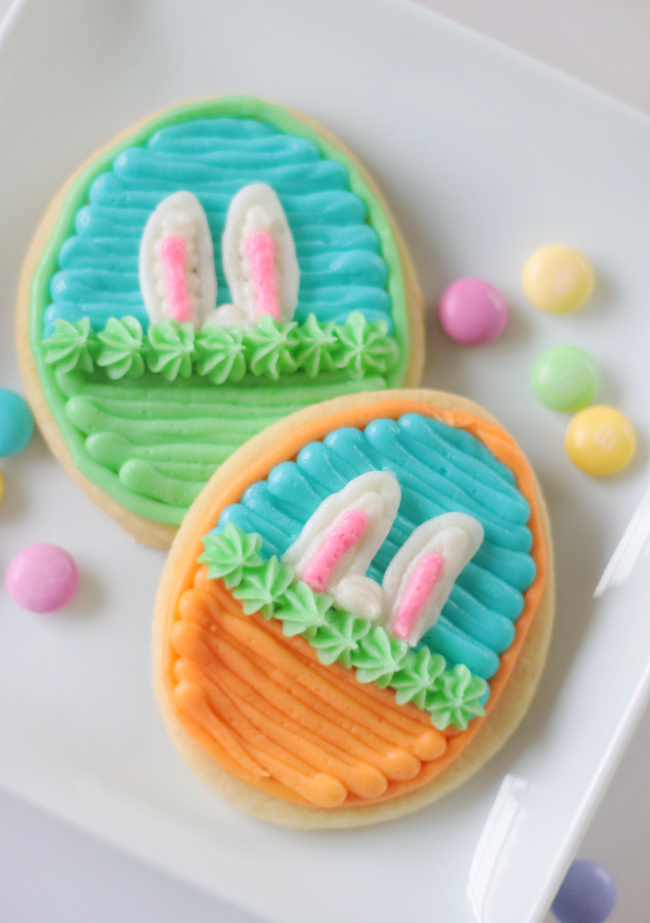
{"type": "Point", "coordinates": [215, 268]}
{"type": "Point", "coordinates": [356, 610]}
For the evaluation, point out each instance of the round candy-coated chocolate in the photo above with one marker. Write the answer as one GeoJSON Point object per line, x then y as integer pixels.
{"type": "Point", "coordinates": [558, 279]}
{"type": "Point", "coordinates": [43, 578]}
{"type": "Point", "coordinates": [472, 312]}
{"type": "Point", "coordinates": [16, 422]}
{"type": "Point", "coordinates": [600, 441]}
{"type": "Point", "coordinates": [565, 378]}
{"type": "Point", "coordinates": [587, 894]}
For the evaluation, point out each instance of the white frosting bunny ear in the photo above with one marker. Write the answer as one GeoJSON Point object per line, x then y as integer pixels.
{"type": "Point", "coordinates": [259, 257]}
{"type": "Point", "coordinates": [419, 579]}
{"type": "Point", "coordinates": [338, 542]}
{"type": "Point", "coordinates": [177, 275]}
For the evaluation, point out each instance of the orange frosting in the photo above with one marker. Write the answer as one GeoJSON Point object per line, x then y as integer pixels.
{"type": "Point", "coordinates": [265, 708]}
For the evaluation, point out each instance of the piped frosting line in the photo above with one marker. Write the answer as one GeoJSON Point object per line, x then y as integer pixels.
{"type": "Point", "coordinates": [332, 737]}
{"type": "Point", "coordinates": [358, 776]}
{"type": "Point", "coordinates": [297, 662]}
{"type": "Point", "coordinates": [173, 250]}
{"type": "Point", "coordinates": [418, 591]}
{"type": "Point", "coordinates": [261, 252]}
{"type": "Point", "coordinates": [319, 788]}
{"type": "Point", "coordinates": [351, 739]}
{"type": "Point", "coordinates": [337, 543]}
{"type": "Point", "coordinates": [329, 722]}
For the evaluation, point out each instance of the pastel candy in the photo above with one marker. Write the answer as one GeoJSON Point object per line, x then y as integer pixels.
{"type": "Point", "coordinates": [43, 578]}
{"type": "Point", "coordinates": [558, 279]}
{"type": "Point", "coordinates": [16, 422]}
{"type": "Point", "coordinates": [587, 894]}
{"type": "Point", "coordinates": [565, 378]}
{"type": "Point", "coordinates": [600, 441]}
{"type": "Point", "coordinates": [472, 312]}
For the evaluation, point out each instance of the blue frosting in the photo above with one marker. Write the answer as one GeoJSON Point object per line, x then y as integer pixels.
{"type": "Point", "coordinates": [440, 469]}
{"type": "Point", "coordinates": [341, 267]}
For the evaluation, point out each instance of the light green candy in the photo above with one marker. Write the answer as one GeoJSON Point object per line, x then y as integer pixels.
{"type": "Point", "coordinates": [565, 378]}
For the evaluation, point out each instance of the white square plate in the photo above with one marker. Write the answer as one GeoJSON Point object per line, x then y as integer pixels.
{"type": "Point", "coordinates": [484, 156]}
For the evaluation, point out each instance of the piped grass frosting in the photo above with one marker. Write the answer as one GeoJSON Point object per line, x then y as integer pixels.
{"type": "Point", "coordinates": [174, 349]}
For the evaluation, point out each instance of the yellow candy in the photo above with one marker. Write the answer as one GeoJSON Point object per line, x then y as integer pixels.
{"type": "Point", "coordinates": [558, 279]}
{"type": "Point", "coordinates": [600, 441]}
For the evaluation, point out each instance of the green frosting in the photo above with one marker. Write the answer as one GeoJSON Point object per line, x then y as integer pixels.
{"type": "Point", "coordinates": [231, 553]}
{"type": "Point", "coordinates": [314, 342]}
{"type": "Point", "coordinates": [339, 639]}
{"type": "Point", "coordinates": [170, 349]}
{"type": "Point", "coordinates": [456, 698]}
{"type": "Point", "coordinates": [261, 585]}
{"type": "Point", "coordinates": [121, 344]}
{"type": "Point", "coordinates": [224, 354]}
{"type": "Point", "coordinates": [378, 657]}
{"type": "Point", "coordinates": [416, 677]}
{"type": "Point", "coordinates": [364, 348]}
{"type": "Point", "coordinates": [70, 346]}
{"type": "Point", "coordinates": [220, 353]}
{"type": "Point", "coordinates": [301, 611]}
{"type": "Point", "coordinates": [453, 697]}
{"type": "Point", "coordinates": [270, 347]}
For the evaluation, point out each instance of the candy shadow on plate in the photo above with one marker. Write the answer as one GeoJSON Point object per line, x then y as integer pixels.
{"type": "Point", "coordinates": [15, 499]}
{"type": "Point", "coordinates": [19, 472]}
{"type": "Point", "coordinates": [604, 299]}
{"type": "Point", "coordinates": [90, 596]}
{"type": "Point", "coordinates": [519, 328]}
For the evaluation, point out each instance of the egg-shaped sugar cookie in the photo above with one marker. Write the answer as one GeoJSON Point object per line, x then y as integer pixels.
{"type": "Point", "coordinates": [356, 610]}
{"type": "Point", "coordinates": [213, 269]}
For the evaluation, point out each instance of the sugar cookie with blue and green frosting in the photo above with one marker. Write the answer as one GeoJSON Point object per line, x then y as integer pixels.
{"type": "Point", "coordinates": [214, 268]}
{"type": "Point", "coordinates": [356, 610]}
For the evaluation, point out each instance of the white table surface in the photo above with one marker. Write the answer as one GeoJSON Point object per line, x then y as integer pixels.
{"type": "Point", "coordinates": [50, 872]}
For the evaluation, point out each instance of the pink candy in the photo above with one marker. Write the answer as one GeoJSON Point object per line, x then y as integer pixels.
{"type": "Point", "coordinates": [472, 312]}
{"type": "Point", "coordinates": [42, 578]}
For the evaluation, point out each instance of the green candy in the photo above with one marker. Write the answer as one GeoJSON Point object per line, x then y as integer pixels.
{"type": "Point", "coordinates": [565, 378]}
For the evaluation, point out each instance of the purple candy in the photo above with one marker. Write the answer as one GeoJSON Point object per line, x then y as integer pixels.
{"type": "Point", "coordinates": [472, 312]}
{"type": "Point", "coordinates": [42, 578]}
{"type": "Point", "coordinates": [587, 894]}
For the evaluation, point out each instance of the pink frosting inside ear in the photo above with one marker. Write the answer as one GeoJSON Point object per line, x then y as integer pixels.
{"type": "Point", "coordinates": [338, 542]}
{"type": "Point", "coordinates": [261, 251]}
{"type": "Point", "coordinates": [173, 250]}
{"type": "Point", "coordinates": [422, 583]}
